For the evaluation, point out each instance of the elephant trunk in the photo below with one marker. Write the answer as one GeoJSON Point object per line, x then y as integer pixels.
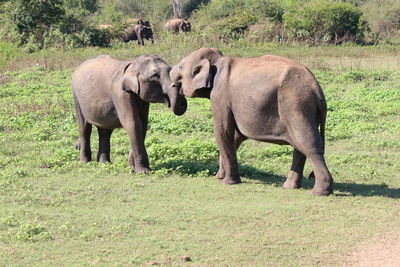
{"type": "Point", "coordinates": [177, 101]}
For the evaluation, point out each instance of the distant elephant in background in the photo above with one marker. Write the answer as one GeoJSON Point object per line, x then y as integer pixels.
{"type": "Point", "coordinates": [268, 98]}
{"type": "Point", "coordinates": [138, 32]}
{"type": "Point", "coordinates": [178, 25]}
{"type": "Point", "coordinates": [111, 93]}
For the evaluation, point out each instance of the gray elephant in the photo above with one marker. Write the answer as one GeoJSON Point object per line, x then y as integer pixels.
{"type": "Point", "coordinates": [138, 32]}
{"type": "Point", "coordinates": [268, 98]}
{"type": "Point", "coordinates": [178, 25]}
{"type": "Point", "coordinates": [110, 93]}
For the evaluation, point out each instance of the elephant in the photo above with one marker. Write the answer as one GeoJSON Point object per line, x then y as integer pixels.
{"type": "Point", "coordinates": [178, 25]}
{"type": "Point", "coordinates": [110, 93]}
{"type": "Point", "coordinates": [268, 98]}
{"type": "Point", "coordinates": [138, 32]}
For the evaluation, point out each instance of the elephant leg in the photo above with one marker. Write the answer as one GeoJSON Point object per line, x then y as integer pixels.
{"type": "Point", "coordinates": [238, 139]}
{"type": "Point", "coordinates": [85, 130]}
{"type": "Point", "coordinates": [103, 154]}
{"type": "Point", "coordinates": [140, 40]}
{"type": "Point", "coordinates": [307, 139]}
{"type": "Point", "coordinates": [144, 115]}
{"type": "Point", "coordinates": [225, 137]}
{"type": "Point", "coordinates": [296, 171]}
{"type": "Point", "coordinates": [134, 125]}
{"type": "Point", "coordinates": [323, 179]}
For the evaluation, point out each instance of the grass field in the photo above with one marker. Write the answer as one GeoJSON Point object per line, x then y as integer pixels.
{"type": "Point", "coordinates": [55, 211]}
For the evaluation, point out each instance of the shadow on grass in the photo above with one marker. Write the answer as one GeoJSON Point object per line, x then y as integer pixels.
{"type": "Point", "coordinates": [182, 167]}
{"type": "Point", "coordinates": [353, 189]}
{"type": "Point", "coordinates": [345, 189]}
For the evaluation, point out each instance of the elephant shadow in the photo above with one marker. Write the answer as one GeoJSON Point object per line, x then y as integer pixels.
{"type": "Point", "coordinates": [344, 189]}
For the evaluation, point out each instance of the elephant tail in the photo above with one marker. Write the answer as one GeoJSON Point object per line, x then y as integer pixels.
{"type": "Point", "coordinates": [322, 121]}
{"type": "Point", "coordinates": [79, 117]}
{"type": "Point", "coordinates": [322, 111]}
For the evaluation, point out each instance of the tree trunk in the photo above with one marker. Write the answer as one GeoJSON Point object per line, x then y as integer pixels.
{"type": "Point", "coordinates": [177, 6]}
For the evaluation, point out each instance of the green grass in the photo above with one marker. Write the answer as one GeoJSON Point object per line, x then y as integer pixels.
{"type": "Point", "coordinates": [55, 211]}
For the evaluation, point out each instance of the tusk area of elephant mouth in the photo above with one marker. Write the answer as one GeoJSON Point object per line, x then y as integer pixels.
{"type": "Point", "coordinates": [176, 84]}
{"type": "Point", "coordinates": [167, 101]}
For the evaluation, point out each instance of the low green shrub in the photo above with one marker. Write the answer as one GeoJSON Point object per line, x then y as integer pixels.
{"type": "Point", "coordinates": [324, 22]}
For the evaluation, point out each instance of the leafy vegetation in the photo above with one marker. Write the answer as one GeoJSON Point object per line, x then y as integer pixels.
{"type": "Point", "coordinates": [75, 23]}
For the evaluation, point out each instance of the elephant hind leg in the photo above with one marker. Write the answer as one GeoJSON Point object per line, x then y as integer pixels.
{"type": "Point", "coordinates": [103, 154]}
{"type": "Point", "coordinates": [85, 130]}
{"type": "Point", "coordinates": [307, 140]}
{"type": "Point", "coordinates": [296, 171]}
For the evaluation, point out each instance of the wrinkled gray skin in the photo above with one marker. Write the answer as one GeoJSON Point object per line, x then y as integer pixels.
{"type": "Point", "coordinates": [268, 98]}
{"type": "Point", "coordinates": [178, 25]}
{"type": "Point", "coordinates": [138, 32]}
{"type": "Point", "coordinates": [110, 93]}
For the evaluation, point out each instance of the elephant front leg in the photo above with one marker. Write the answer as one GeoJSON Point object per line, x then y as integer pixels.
{"type": "Point", "coordinates": [138, 158]}
{"type": "Point", "coordinates": [238, 139]}
{"type": "Point", "coordinates": [228, 160]}
{"type": "Point", "coordinates": [225, 137]}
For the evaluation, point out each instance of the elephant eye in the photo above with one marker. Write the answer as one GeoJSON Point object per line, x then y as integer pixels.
{"type": "Point", "coordinates": [155, 76]}
{"type": "Point", "coordinates": [196, 70]}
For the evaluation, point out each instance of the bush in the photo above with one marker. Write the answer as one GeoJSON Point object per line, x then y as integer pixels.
{"type": "Point", "coordinates": [232, 27]}
{"type": "Point", "coordinates": [272, 10]}
{"type": "Point", "coordinates": [266, 31]}
{"type": "Point", "coordinates": [325, 22]}
{"type": "Point", "coordinates": [191, 5]}
{"type": "Point", "coordinates": [37, 24]}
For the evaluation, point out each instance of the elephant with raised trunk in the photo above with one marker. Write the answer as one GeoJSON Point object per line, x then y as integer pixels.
{"type": "Point", "coordinates": [268, 98]}
{"type": "Point", "coordinates": [110, 93]}
{"type": "Point", "coordinates": [178, 25]}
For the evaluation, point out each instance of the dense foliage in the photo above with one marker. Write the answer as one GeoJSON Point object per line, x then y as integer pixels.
{"type": "Point", "coordinates": [37, 24]}
{"type": "Point", "coordinates": [320, 21]}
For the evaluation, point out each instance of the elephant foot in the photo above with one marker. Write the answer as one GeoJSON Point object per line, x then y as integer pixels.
{"type": "Point", "coordinates": [293, 181]}
{"type": "Point", "coordinates": [103, 159]}
{"type": "Point", "coordinates": [143, 170]}
{"type": "Point", "coordinates": [322, 192]}
{"type": "Point", "coordinates": [291, 185]}
{"type": "Point", "coordinates": [230, 181]}
{"type": "Point", "coordinates": [220, 174]}
{"type": "Point", "coordinates": [86, 159]}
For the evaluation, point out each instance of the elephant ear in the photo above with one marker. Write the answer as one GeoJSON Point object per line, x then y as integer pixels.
{"type": "Point", "coordinates": [130, 82]}
{"type": "Point", "coordinates": [201, 73]}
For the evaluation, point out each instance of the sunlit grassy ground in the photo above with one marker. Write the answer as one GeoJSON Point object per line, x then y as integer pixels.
{"type": "Point", "coordinates": [55, 211]}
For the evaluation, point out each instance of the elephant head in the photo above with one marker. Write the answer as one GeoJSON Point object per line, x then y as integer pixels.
{"type": "Point", "coordinates": [187, 27]}
{"type": "Point", "coordinates": [148, 77]}
{"type": "Point", "coordinates": [195, 73]}
{"type": "Point", "coordinates": [147, 33]}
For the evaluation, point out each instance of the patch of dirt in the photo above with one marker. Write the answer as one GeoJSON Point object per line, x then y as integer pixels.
{"type": "Point", "coordinates": [382, 251]}
{"type": "Point", "coordinates": [4, 79]}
